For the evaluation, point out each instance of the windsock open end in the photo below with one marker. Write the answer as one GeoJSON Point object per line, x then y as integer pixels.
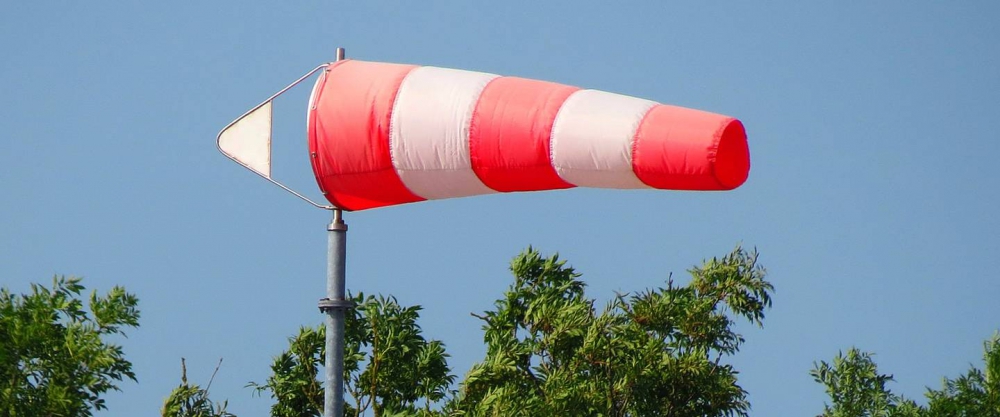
{"type": "Point", "coordinates": [678, 148]}
{"type": "Point", "coordinates": [732, 157]}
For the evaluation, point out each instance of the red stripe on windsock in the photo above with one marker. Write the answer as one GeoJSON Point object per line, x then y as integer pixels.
{"type": "Point", "coordinates": [349, 135]}
{"type": "Point", "coordinates": [510, 132]}
{"type": "Point", "coordinates": [684, 149]}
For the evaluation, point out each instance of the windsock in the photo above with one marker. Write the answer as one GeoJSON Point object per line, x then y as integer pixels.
{"type": "Point", "coordinates": [385, 134]}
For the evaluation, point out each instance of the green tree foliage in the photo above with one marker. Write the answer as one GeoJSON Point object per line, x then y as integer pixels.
{"type": "Point", "coordinates": [401, 367]}
{"type": "Point", "coordinates": [189, 400]}
{"type": "Point", "coordinates": [977, 393]}
{"type": "Point", "coordinates": [293, 382]}
{"type": "Point", "coordinates": [389, 366]}
{"type": "Point", "coordinates": [655, 353]}
{"type": "Point", "coordinates": [55, 357]}
{"type": "Point", "coordinates": [857, 389]}
{"type": "Point", "coordinates": [549, 352]}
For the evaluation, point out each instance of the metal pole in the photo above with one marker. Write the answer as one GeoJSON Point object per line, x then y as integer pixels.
{"type": "Point", "coordinates": [335, 306]}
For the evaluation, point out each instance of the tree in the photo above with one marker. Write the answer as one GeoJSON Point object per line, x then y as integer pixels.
{"type": "Point", "coordinates": [549, 352]}
{"type": "Point", "coordinates": [655, 353]}
{"type": "Point", "coordinates": [189, 400]}
{"type": "Point", "coordinates": [401, 368]}
{"type": "Point", "coordinates": [55, 358]}
{"type": "Point", "coordinates": [857, 389]}
{"type": "Point", "coordinates": [977, 393]}
{"type": "Point", "coordinates": [389, 366]}
{"type": "Point", "coordinates": [293, 380]}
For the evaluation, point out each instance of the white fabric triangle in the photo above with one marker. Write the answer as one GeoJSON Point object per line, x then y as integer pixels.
{"type": "Point", "coordinates": [248, 141]}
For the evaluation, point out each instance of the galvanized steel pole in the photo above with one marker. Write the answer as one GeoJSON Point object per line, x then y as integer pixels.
{"type": "Point", "coordinates": [335, 306]}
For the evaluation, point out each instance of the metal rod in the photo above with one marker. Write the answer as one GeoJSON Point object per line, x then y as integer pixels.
{"type": "Point", "coordinates": [333, 404]}
{"type": "Point", "coordinates": [335, 311]}
{"type": "Point", "coordinates": [218, 138]}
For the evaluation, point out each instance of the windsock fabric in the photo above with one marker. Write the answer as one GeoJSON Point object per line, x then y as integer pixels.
{"type": "Point", "coordinates": [386, 134]}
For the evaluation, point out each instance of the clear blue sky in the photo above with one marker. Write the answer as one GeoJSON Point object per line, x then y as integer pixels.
{"type": "Point", "coordinates": [873, 196]}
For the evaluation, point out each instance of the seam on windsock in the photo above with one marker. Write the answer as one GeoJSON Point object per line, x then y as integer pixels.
{"type": "Point", "coordinates": [473, 119]}
{"type": "Point", "coordinates": [392, 129]}
{"type": "Point", "coordinates": [314, 122]}
{"type": "Point", "coordinates": [713, 153]}
{"type": "Point", "coordinates": [633, 141]}
{"type": "Point", "coordinates": [635, 144]}
{"type": "Point", "coordinates": [552, 134]}
{"type": "Point", "coordinates": [476, 96]}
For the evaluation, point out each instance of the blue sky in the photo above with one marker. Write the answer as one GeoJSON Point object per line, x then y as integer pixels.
{"type": "Point", "coordinates": [873, 194]}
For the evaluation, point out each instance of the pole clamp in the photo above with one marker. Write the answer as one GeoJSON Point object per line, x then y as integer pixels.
{"type": "Point", "coordinates": [327, 305]}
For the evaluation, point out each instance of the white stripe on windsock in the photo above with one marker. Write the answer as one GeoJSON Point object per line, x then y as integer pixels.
{"type": "Point", "coordinates": [429, 132]}
{"type": "Point", "coordinates": [592, 139]}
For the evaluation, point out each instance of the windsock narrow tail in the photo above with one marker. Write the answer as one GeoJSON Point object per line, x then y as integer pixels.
{"type": "Point", "coordinates": [385, 134]}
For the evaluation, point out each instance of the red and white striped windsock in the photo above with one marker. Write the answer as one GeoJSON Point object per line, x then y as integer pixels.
{"type": "Point", "coordinates": [384, 134]}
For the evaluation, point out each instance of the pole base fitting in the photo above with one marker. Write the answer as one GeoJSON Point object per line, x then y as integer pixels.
{"type": "Point", "coordinates": [326, 305]}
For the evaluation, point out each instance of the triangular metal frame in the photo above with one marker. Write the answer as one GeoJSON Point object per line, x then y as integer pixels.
{"type": "Point", "coordinates": [218, 140]}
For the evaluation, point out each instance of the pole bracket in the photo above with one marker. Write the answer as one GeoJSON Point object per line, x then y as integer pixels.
{"type": "Point", "coordinates": [327, 305]}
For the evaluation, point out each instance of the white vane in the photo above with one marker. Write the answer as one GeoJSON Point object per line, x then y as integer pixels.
{"type": "Point", "coordinates": [248, 140]}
